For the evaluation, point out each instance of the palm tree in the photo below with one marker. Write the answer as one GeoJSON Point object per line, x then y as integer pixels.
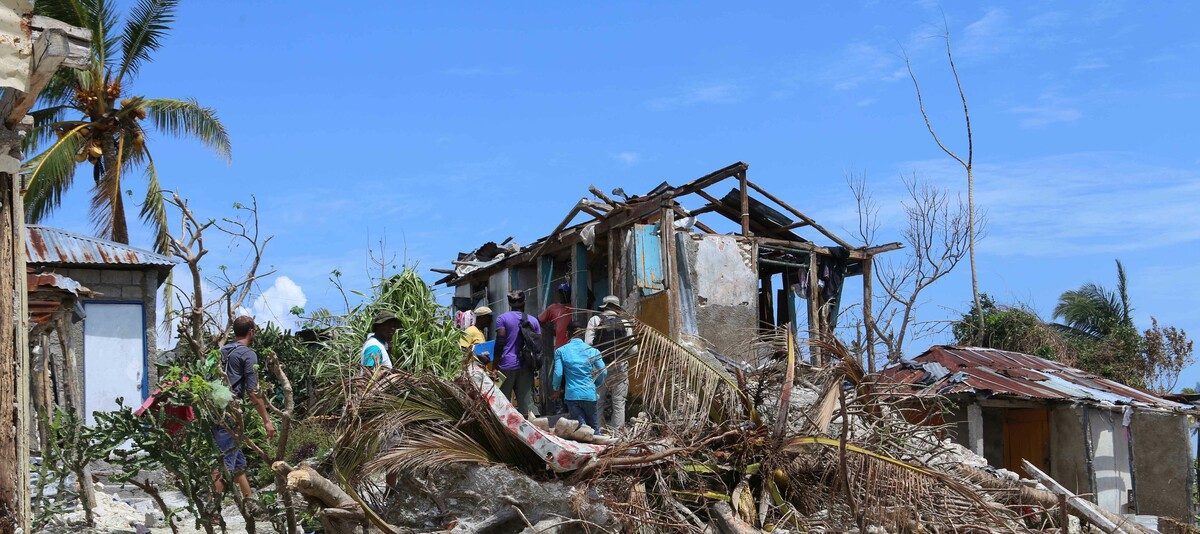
{"type": "Point", "coordinates": [1095, 311]}
{"type": "Point", "coordinates": [90, 116]}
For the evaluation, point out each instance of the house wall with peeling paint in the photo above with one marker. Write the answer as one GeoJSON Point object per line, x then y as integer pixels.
{"type": "Point", "coordinates": [724, 274]}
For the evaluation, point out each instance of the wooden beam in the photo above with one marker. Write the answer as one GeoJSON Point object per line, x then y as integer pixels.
{"type": "Point", "coordinates": [814, 309]}
{"type": "Point", "coordinates": [683, 213]}
{"type": "Point", "coordinates": [868, 314]}
{"type": "Point", "coordinates": [710, 179]}
{"type": "Point", "coordinates": [841, 242]}
{"type": "Point", "coordinates": [78, 39]}
{"type": "Point", "coordinates": [745, 198]}
{"type": "Point", "coordinates": [871, 251]}
{"type": "Point", "coordinates": [1093, 514]}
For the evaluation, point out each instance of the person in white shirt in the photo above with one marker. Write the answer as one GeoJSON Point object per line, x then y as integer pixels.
{"type": "Point", "coordinates": [613, 337]}
{"type": "Point", "coordinates": [374, 352]}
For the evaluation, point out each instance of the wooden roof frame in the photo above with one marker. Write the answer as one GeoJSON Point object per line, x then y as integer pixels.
{"type": "Point", "coordinates": [609, 213]}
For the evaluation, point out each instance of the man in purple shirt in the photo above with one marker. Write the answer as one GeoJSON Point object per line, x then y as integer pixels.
{"type": "Point", "coordinates": [518, 379]}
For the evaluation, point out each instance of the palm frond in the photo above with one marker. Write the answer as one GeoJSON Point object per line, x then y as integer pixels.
{"type": "Point", "coordinates": [187, 118]}
{"type": "Point", "coordinates": [1123, 293]}
{"type": "Point", "coordinates": [154, 208]}
{"type": "Point", "coordinates": [430, 447]}
{"type": "Point", "coordinates": [51, 174]}
{"type": "Point", "coordinates": [148, 23]}
{"type": "Point", "coordinates": [46, 125]}
{"type": "Point", "coordinates": [681, 384]}
{"type": "Point", "coordinates": [1091, 308]}
{"type": "Point", "coordinates": [59, 90]}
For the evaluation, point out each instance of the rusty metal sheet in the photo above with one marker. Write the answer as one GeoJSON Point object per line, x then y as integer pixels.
{"type": "Point", "coordinates": [1001, 373]}
{"type": "Point", "coordinates": [54, 246]}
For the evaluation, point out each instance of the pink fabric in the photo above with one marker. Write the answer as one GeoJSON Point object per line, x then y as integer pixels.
{"type": "Point", "coordinates": [560, 454]}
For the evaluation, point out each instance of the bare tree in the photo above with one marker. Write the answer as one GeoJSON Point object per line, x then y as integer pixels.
{"type": "Point", "coordinates": [967, 163]}
{"type": "Point", "coordinates": [936, 238]}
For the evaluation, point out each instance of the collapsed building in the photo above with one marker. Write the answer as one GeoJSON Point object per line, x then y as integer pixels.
{"type": "Point", "coordinates": [673, 270]}
{"type": "Point", "coordinates": [1127, 449]}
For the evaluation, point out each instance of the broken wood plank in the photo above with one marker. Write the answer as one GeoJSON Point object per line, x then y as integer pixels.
{"type": "Point", "coordinates": [1097, 516]}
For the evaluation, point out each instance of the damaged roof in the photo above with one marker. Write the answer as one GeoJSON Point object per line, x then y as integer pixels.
{"type": "Point", "coordinates": [55, 246]}
{"type": "Point", "coordinates": [758, 220]}
{"type": "Point", "coordinates": [984, 372]}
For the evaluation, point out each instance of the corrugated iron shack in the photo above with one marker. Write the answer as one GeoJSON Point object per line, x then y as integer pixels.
{"type": "Point", "coordinates": [115, 341]}
{"type": "Point", "coordinates": [672, 269]}
{"type": "Point", "coordinates": [1126, 449]}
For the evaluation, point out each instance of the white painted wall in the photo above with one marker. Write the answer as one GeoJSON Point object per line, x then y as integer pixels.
{"type": "Point", "coordinates": [114, 348]}
{"type": "Point", "coordinates": [1110, 460]}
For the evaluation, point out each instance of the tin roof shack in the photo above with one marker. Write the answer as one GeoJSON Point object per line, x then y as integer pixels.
{"type": "Point", "coordinates": [1127, 450]}
{"type": "Point", "coordinates": [115, 341]}
{"type": "Point", "coordinates": [675, 271]}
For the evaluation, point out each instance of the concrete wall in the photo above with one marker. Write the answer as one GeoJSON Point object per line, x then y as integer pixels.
{"type": "Point", "coordinates": [1163, 464]}
{"type": "Point", "coordinates": [724, 272]}
{"type": "Point", "coordinates": [122, 285]}
{"type": "Point", "coordinates": [1068, 454]}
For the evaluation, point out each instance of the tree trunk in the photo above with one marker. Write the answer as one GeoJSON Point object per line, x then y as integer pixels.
{"type": "Point", "coordinates": [112, 170]}
{"type": "Point", "coordinates": [971, 244]}
{"type": "Point", "coordinates": [339, 513]}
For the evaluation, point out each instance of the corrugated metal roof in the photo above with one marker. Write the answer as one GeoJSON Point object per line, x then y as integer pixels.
{"type": "Point", "coordinates": [48, 292]}
{"type": "Point", "coordinates": [47, 245]}
{"type": "Point", "coordinates": [1000, 373]}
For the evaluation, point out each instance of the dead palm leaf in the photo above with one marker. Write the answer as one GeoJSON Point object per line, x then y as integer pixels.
{"type": "Point", "coordinates": [430, 447]}
{"type": "Point", "coordinates": [682, 385]}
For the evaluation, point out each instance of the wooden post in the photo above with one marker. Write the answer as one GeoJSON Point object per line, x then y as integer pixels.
{"type": "Point", "coordinates": [814, 309]}
{"type": "Point", "coordinates": [868, 315]}
{"type": "Point", "coordinates": [745, 204]}
{"type": "Point", "coordinates": [1064, 515]}
{"type": "Point", "coordinates": [666, 238]}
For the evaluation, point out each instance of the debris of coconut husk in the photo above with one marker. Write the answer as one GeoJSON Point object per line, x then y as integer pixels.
{"type": "Point", "coordinates": [781, 446]}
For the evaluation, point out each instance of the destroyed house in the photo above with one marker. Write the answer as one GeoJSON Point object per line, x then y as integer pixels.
{"type": "Point", "coordinates": [1126, 450]}
{"type": "Point", "coordinates": [660, 254]}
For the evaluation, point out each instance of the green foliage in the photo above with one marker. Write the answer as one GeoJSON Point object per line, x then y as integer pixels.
{"type": "Point", "coordinates": [1012, 328]}
{"type": "Point", "coordinates": [72, 446]}
{"type": "Point", "coordinates": [311, 439]}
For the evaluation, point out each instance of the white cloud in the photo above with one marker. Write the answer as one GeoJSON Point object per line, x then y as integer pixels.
{"type": "Point", "coordinates": [275, 303]}
{"type": "Point", "coordinates": [628, 157]}
{"type": "Point", "coordinates": [1075, 204]}
{"type": "Point", "coordinates": [1050, 109]}
{"type": "Point", "coordinates": [722, 93]}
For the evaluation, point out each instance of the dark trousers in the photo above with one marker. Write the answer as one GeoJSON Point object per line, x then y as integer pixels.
{"type": "Point", "coordinates": [518, 387]}
{"type": "Point", "coordinates": [583, 411]}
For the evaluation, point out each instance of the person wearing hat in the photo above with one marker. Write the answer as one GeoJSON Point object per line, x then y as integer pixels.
{"type": "Point", "coordinates": [558, 315]}
{"type": "Point", "coordinates": [375, 349]}
{"type": "Point", "coordinates": [473, 332]}
{"type": "Point", "coordinates": [612, 335]}
{"type": "Point", "coordinates": [518, 379]}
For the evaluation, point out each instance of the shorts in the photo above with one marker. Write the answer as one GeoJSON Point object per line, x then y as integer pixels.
{"type": "Point", "coordinates": [231, 454]}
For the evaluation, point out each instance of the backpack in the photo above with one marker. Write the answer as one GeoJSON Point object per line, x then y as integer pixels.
{"type": "Point", "coordinates": [530, 354]}
{"type": "Point", "coordinates": [610, 336]}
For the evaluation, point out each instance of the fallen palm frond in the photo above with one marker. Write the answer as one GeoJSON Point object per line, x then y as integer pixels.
{"type": "Point", "coordinates": [681, 385]}
{"type": "Point", "coordinates": [430, 447]}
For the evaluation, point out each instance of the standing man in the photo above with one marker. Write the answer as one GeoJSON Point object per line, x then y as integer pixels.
{"type": "Point", "coordinates": [239, 361]}
{"type": "Point", "coordinates": [580, 367]}
{"type": "Point", "coordinates": [558, 315]}
{"type": "Point", "coordinates": [518, 375]}
{"type": "Point", "coordinates": [473, 334]}
{"type": "Point", "coordinates": [375, 349]}
{"type": "Point", "coordinates": [613, 337]}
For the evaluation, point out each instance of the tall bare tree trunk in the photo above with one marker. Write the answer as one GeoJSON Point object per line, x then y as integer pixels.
{"type": "Point", "coordinates": [14, 362]}
{"type": "Point", "coordinates": [971, 240]}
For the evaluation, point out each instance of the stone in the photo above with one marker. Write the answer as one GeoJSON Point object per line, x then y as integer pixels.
{"type": "Point", "coordinates": [115, 277]}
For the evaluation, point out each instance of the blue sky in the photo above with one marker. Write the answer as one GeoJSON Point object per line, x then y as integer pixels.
{"type": "Point", "coordinates": [439, 126]}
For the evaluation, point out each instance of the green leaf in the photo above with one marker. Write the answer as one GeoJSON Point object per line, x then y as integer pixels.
{"type": "Point", "coordinates": [187, 118]}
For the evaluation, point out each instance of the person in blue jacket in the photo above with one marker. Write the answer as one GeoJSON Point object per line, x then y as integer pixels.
{"type": "Point", "coordinates": [580, 368]}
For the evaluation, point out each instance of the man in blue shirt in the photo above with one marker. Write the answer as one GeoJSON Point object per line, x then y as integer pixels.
{"type": "Point", "coordinates": [581, 368]}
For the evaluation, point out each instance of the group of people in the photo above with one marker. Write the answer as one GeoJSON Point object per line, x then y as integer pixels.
{"type": "Point", "coordinates": [589, 363]}
{"type": "Point", "coordinates": [590, 353]}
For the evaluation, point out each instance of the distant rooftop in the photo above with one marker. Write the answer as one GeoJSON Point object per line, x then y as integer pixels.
{"type": "Point", "coordinates": [984, 372]}
{"type": "Point", "coordinates": [55, 246]}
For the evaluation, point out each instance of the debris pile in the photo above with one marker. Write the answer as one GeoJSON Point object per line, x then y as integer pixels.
{"type": "Point", "coordinates": [779, 447]}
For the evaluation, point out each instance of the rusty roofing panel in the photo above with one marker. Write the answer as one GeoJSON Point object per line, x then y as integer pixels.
{"type": "Point", "coordinates": [38, 281]}
{"type": "Point", "coordinates": [1012, 374]}
{"type": "Point", "coordinates": [56, 246]}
